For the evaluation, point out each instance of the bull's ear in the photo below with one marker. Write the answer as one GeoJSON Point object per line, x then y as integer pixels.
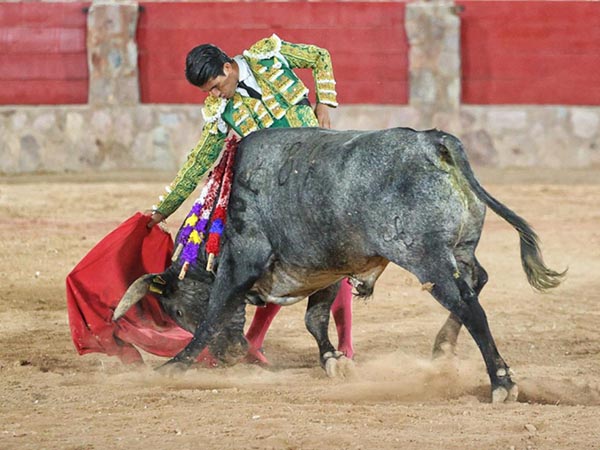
{"type": "Point", "coordinates": [134, 294]}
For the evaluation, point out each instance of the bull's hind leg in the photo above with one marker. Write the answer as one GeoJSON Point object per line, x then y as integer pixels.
{"type": "Point", "coordinates": [445, 341]}
{"type": "Point", "coordinates": [317, 323]}
{"type": "Point", "coordinates": [455, 294]}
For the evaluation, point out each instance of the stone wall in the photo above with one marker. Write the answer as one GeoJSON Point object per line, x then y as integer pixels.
{"type": "Point", "coordinates": [114, 131]}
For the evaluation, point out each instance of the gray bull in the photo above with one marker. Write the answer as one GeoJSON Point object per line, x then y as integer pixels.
{"type": "Point", "coordinates": [310, 207]}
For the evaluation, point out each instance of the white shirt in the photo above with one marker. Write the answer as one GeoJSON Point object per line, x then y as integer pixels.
{"type": "Point", "coordinates": [246, 75]}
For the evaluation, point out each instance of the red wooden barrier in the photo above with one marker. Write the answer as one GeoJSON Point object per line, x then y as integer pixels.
{"type": "Point", "coordinates": [532, 52]}
{"type": "Point", "coordinates": [513, 52]}
{"type": "Point", "coordinates": [367, 42]}
{"type": "Point", "coordinates": [43, 53]}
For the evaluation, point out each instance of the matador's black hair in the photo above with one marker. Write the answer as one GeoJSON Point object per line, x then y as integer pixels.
{"type": "Point", "coordinates": [204, 63]}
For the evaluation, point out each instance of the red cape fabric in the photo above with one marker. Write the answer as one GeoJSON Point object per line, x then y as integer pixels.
{"type": "Point", "coordinates": [97, 283]}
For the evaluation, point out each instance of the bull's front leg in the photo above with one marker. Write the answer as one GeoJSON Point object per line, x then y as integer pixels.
{"type": "Point", "coordinates": [317, 322]}
{"type": "Point", "coordinates": [230, 346]}
{"type": "Point", "coordinates": [235, 277]}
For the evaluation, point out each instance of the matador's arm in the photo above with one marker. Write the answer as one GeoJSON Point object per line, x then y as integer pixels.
{"type": "Point", "coordinates": [200, 159]}
{"type": "Point", "coordinates": [306, 56]}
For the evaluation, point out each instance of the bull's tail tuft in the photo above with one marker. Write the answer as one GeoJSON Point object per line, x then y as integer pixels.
{"type": "Point", "coordinates": [539, 276]}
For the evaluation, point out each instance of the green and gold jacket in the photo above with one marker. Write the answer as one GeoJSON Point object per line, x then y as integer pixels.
{"type": "Point", "coordinates": [271, 61]}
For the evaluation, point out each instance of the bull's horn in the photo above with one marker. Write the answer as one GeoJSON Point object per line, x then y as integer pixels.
{"type": "Point", "coordinates": [134, 294]}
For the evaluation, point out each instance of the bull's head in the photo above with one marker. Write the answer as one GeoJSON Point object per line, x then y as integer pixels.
{"type": "Point", "coordinates": [186, 302]}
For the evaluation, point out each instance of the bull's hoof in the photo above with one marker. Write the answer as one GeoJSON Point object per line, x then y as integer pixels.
{"type": "Point", "coordinates": [174, 366]}
{"type": "Point", "coordinates": [443, 350]}
{"type": "Point", "coordinates": [502, 394]}
{"type": "Point", "coordinates": [338, 366]}
{"type": "Point", "coordinates": [256, 356]}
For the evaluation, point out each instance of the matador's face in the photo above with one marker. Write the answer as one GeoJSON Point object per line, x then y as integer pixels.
{"type": "Point", "coordinates": [222, 86]}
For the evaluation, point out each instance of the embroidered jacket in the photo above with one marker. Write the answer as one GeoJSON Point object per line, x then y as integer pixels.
{"type": "Point", "coordinates": [271, 61]}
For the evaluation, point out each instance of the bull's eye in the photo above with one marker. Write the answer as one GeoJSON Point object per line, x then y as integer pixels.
{"type": "Point", "coordinates": [179, 313]}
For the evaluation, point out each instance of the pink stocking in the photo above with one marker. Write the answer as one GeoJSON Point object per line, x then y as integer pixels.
{"type": "Point", "coordinates": [342, 315]}
{"type": "Point", "coordinates": [258, 330]}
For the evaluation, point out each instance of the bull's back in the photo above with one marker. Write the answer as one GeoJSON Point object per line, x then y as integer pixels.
{"type": "Point", "coordinates": [316, 189]}
{"type": "Point", "coordinates": [291, 162]}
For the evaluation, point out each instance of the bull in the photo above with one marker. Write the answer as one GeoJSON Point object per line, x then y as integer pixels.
{"type": "Point", "coordinates": [311, 206]}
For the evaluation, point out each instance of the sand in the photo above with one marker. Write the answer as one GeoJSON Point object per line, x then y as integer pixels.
{"type": "Point", "coordinates": [50, 397]}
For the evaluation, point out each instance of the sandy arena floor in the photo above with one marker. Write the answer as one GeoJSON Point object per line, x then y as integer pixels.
{"type": "Point", "coordinates": [50, 397]}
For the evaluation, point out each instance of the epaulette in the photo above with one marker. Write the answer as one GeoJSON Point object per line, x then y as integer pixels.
{"type": "Point", "coordinates": [213, 112]}
{"type": "Point", "coordinates": [265, 48]}
{"type": "Point", "coordinates": [213, 108]}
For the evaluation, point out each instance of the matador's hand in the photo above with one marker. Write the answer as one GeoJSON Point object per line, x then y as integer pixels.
{"type": "Point", "coordinates": [322, 113]}
{"type": "Point", "coordinates": [155, 218]}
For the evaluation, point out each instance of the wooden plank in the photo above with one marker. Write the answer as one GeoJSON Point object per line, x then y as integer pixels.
{"type": "Point", "coordinates": [530, 67]}
{"type": "Point", "coordinates": [43, 53]}
{"type": "Point", "coordinates": [26, 39]}
{"type": "Point", "coordinates": [43, 92]}
{"type": "Point", "coordinates": [367, 41]}
{"type": "Point", "coordinates": [44, 14]}
{"type": "Point", "coordinates": [529, 10]}
{"type": "Point", "coordinates": [534, 52]}
{"type": "Point", "coordinates": [267, 15]}
{"type": "Point", "coordinates": [43, 67]}
{"type": "Point", "coordinates": [175, 91]}
{"type": "Point", "coordinates": [380, 39]}
{"type": "Point", "coordinates": [500, 92]}
{"type": "Point", "coordinates": [373, 92]}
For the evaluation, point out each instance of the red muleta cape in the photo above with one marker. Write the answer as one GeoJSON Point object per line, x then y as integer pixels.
{"type": "Point", "coordinates": [97, 283]}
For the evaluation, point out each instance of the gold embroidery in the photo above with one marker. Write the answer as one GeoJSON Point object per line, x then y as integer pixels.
{"type": "Point", "coordinates": [265, 48]}
{"type": "Point", "coordinates": [272, 61]}
{"type": "Point", "coordinates": [199, 161]}
{"type": "Point", "coordinates": [315, 58]}
{"type": "Point", "coordinates": [301, 116]}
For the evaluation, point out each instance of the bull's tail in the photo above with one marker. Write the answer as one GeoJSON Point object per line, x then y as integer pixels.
{"type": "Point", "coordinates": [538, 274]}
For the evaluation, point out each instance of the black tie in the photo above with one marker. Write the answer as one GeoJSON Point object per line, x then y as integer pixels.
{"type": "Point", "coordinates": [251, 92]}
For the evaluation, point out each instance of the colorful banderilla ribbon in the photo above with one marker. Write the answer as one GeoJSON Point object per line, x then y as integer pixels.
{"type": "Point", "coordinates": [194, 227]}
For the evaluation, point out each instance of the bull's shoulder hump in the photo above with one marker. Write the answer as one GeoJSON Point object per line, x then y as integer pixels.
{"type": "Point", "coordinates": [283, 136]}
{"type": "Point", "coordinates": [391, 137]}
